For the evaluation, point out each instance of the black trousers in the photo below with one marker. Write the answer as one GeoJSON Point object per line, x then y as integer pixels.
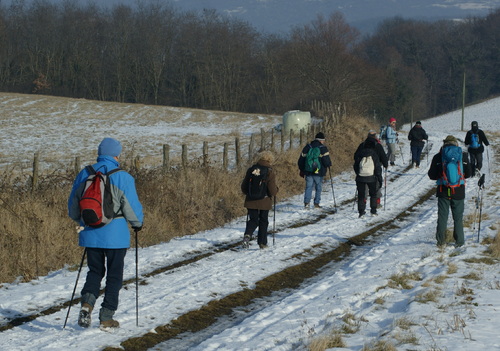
{"type": "Point", "coordinates": [476, 161]}
{"type": "Point", "coordinates": [260, 219]}
{"type": "Point", "coordinates": [372, 191]}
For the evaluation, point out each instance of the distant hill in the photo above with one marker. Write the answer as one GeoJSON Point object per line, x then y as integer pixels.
{"type": "Point", "coordinates": [276, 16]}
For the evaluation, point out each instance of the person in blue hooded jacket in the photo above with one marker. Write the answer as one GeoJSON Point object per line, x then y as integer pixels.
{"type": "Point", "coordinates": [106, 246]}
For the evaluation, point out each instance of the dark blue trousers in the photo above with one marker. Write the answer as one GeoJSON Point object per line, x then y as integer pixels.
{"type": "Point", "coordinates": [98, 260]}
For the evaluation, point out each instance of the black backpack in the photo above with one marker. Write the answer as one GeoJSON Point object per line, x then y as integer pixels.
{"type": "Point", "coordinates": [257, 182]}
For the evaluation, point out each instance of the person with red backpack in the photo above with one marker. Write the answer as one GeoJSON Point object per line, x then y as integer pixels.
{"type": "Point", "coordinates": [105, 243]}
{"type": "Point", "coordinates": [449, 168]}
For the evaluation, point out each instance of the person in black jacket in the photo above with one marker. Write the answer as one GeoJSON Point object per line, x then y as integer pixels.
{"type": "Point", "coordinates": [476, 140]}
{"type": "Point", "coordinates": [417, 135]}
{"type": "Point", "coordinates": [314, 179]}
{"type": "Point", "coordinates": [369, 147]}
{"type": "Point", "coordinates": [449, 196]}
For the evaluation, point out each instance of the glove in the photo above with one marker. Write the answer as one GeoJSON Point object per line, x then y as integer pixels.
{"type": "Point", "coordinates": [79, 228]}
{"type": "Point", "coordinates": [137, 229]}
{"type": "Point", "coordinates": [301, 174]}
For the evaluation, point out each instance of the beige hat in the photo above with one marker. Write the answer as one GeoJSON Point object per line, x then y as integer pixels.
{"type": "Point", "coordinates": [450, 139]}
{"type": "Point", "coordinates": [266, 156]}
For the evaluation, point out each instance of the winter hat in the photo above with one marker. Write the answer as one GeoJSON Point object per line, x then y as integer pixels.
{"type": "Point", "coordinates": [320, 136]}
{"type": "Point", "coordinates": [418, 123]}
{"type": "Point", "coordinates": [450, 139]}
{"type": "Point", "coordinates": [266, 156]}
{"type": "Point", "coordinates": [474, 124]}
{"type": "Point", "coordinates": [109, 147]}
{"type": "Point", "coordinates": [392, 119]}
{"type": "Point", "coordinates": [372, 133]}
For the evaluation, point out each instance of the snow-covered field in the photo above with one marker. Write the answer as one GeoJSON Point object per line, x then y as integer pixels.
{"type": "Point", "coordinates": [444, 309]}
{"type": "Point", "coordinates": [60, 129]}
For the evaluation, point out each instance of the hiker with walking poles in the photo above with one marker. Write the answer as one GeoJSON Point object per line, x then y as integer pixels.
{"type": "Point", "coordinates": [314, 160]}
{"type": "Point", "coordinates": [369, 159]}
{"type": "Point", "coordinates": [449, 168]}
{"type": "Point", "coordinates": [391, 138]}
{"type": "Point", "coordinates": [103, 230]}
{"type": "Point", "coordinates": [417, 137]}
{"type": "Point", "coordinates": [475, 139]}
{"type": "Point", "coordinates": [259, 186]}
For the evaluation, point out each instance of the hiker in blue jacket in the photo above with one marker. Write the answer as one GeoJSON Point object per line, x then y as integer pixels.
{"type": "Point", "coordinates": [450, 188]}
{"type": "Point", "coordinates": [476, 139]}
{"type": "Point", "coordinates": [391, 139]}
{"type": "Point", "coordinates": [314, 178]}
{"type": "Point", "coordinates": [110, 242]}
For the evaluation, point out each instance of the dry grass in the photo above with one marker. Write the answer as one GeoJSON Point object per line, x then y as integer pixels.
{"type": "Point", "coordinates": [37, 236]}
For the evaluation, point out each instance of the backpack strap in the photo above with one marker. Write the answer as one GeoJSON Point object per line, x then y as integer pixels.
{"type": "Point", "coordinates": [114, 171]}
{"type": "Point", "coordinates": [90, 169]}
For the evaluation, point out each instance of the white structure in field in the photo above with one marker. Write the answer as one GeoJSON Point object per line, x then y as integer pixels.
{"type": "Point", "coordinates": [296, 120]}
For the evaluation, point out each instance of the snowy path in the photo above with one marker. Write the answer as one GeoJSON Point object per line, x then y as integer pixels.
{"type": "Point", "coordinates": [356, 284]}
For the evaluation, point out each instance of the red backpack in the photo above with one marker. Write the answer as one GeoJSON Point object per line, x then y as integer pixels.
{"type": "Point", "coordinates": [96, 202]}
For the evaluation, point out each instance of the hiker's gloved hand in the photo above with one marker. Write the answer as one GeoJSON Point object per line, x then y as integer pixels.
{"type": "Point", "coordinates": [79, 228]}
{"type": "Point", "coordinates": [301, 174]}
{"type": "Point", "coordinates": [137, 229]}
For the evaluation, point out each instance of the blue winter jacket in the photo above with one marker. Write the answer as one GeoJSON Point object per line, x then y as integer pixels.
{"type": "Point", "coordinates": [391, 135]}
{"type": "Point", "coordinates": [116, 234]}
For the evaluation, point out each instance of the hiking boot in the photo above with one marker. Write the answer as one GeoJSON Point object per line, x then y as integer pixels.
{"type": "Point", "coordinates": [317, 206]}
{"type": "Point", "coordinates": [263, 246]}
{"type": "Point", "coordinates": [110, 323]}
{"type": "Point", "coordinates": [374, 214]}
{"type": "Point", "coordinates": [306, 205]}
{"type": "Point", "coordinates": [85, 316]}
{"type": "Point", "coordinates": [246, 241]}
{"type": "Point", "coordinates": [361, 214]}
{"type": "Point", "coordinates": [393, 164]}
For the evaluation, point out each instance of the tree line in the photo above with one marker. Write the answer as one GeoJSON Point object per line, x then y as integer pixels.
{"type": "Point", "coordinates": [156, 54]}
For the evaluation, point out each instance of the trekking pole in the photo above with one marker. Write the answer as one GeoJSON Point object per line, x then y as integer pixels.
{"type": "Point", "coordinates": [136, 279]}
{"type": "Point", "coordinates": [355, 198]}
{"type": "Point", "coordinates": [475, 214]}
{"type": "Point", "coordinates": [74, 289]}
{"type": "Point", "coordinates": [333, 192]}
{"type": "Point", "coordinates": [489, 165]}
{"type": "Point", "coordinates": [385, 188]}
{"type": "Point", "coordinates": [427, 144]}
{"type": "Point", "coordinates": [480, 184]}
{"type": "Point", "coordinates": [402, 157]}
{"type": "Point", "coordinates": [274, 220]}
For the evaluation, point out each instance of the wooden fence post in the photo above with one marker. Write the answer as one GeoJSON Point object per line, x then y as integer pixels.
{"type": "Point", "coordinates": [282, 140]}
{"type": "Point", "coordinates": [184, 156]}
{"type": "Point", "coordinates": [166, 157]}
{"type": "Point", "coordinates": [301, 138]}
{"type": "Point", "coordinates": [262, 139]}
{"type": "Point", "coordinates": [77, 165]}
{"type": "Point", "coordinates": [272, 139]}
{"type": "Point", "coordinates": [36, 169]}
{"type": "Point", "coordinates": [291, 139]}
{"type": "Point", "coordinates": [205, 154]}
{"type": "Point", "coordinates": [224, 156]}
{"type": "Point", "coordinates": [250, 147]}
{"type": "Point", "coordinates": [137, 162]}
{"type": "Point", "coordinates": [237, 151]}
